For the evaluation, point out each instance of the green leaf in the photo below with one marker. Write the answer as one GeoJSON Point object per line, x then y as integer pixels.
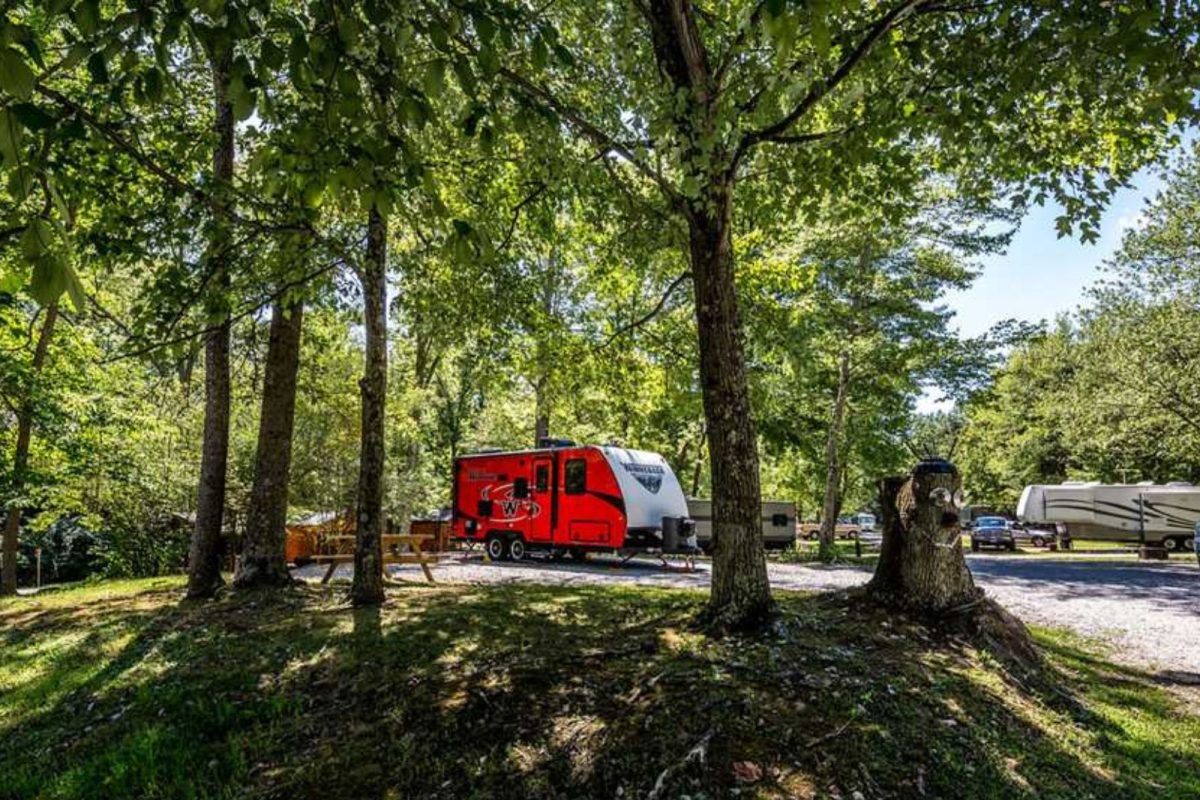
{"type": "Point", "coordinates": [435, 79]}
{"type": "Point", "coordinates": [541, 53]}
{"type": "Point", "coordinates": [243, 100]}
{"type": "Point", "coordinates": [74, 287]}
{"type": "Point", "coordinates": [15, 76]}
{"type": "Point", "coordinates": [37, 239]}
{"type": "Point", "coordinates": [32, 117]}
{"type": "Point", "coordinates": [11, 135]}
{"type": "Point", "coordinates": [465, 76]}
{"type": "Point", "coordinates": [152, 82]}
{"type": "Point", "coordinates": [820, 28]}
{"type": "Point", "coordinates": [271, 54]}
{"type": "Point", "coordinates": [87, 16]}
{"type": "Point", "coordinates": [98, 68]}
{"type": "Point", "coordinates": [49, 279]}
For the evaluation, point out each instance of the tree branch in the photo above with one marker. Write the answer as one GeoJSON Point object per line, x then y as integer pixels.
{"type": "Point", "coordinates": [654, 312]}
{"type": "Point", "coordinates": [877, 31]}
{"type": "Point", "coordinates": [160, 172]}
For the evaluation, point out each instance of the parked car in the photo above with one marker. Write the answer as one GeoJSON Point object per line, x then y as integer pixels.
{"type": "Point", "coordinates": [1037, 537]}
{"type": "Point", "coordinates": [992, 532]}
{"type": "Point", "coordinates": [845, 528]}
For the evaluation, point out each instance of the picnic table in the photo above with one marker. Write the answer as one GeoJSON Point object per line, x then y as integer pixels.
{"type": "Point", "coordinates": [342, 547]}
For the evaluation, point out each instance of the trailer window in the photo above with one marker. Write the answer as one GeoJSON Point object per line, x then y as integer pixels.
{"type": "Point", "coordinates": [779, 520]}
{"type": "Point", "coordinates": [541, 478]}
{"type": "Point", "coordinates": [521, 488]}
{"type": "Point", "coordinates": [575, 474]}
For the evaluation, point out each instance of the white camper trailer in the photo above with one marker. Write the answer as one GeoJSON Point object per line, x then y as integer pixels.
{"type": "Point", "coordinates": [778, 522]}
{"type": "Point", "coordinates": [1159, 515]}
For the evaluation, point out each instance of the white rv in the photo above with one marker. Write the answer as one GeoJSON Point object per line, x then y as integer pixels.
{"type": "Point", "coordinates": [1160, 515]}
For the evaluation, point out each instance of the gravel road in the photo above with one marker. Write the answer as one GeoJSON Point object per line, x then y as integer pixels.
{"type": "Point", "coordinates": [1149, 611]}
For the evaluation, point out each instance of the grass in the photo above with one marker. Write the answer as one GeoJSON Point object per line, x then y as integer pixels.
{"type": "Point", "coordinates": [120, 690]}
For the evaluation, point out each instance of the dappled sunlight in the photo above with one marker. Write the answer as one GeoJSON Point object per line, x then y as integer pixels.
{"type": "Point", "coordinates": [531, 691]}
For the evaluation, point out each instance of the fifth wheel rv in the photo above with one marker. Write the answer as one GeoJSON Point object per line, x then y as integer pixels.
{"type": "Point", "coordinates": [1158, 515]}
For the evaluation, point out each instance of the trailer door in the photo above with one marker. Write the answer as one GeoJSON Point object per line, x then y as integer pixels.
{"type": "Point", "coordinates": [541, 524]}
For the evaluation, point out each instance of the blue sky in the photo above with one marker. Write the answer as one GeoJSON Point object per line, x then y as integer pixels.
{"type": "Point", "coordinates": [1041, 275]}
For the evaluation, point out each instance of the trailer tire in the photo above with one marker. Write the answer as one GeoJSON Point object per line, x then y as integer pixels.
{"type": "Point", "coordinates": [1171, 544]}
{"type": "Point", "coordinates": [494, 547]}
{"type": "Point", "coordinates": [516, 549]}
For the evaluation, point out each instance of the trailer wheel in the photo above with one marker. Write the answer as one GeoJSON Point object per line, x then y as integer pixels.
{"type": "Point", "coordinates": [516, 548]}
{"type": "Point", "coordinates": [494, 546]}
{"type": "Point", "coordinates": [1170, 544]}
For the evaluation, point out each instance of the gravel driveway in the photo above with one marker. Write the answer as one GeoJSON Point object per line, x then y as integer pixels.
{"type": "Point", "coordinates": [1150, 611]}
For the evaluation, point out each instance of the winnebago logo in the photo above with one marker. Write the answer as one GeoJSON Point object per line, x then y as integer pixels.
{"type": "Point", "coordinates": [509, 508]}
{"type": "Point", "coordinates": [648, 475]}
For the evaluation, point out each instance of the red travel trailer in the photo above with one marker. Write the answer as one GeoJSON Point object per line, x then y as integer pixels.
{"type": "Point", "coordinates": [571, 499]}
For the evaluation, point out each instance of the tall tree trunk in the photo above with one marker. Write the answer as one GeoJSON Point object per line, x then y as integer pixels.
{"type": "Point", "coordinates": [204, 557]}
{"type": "Point", "coordinates": [698, 467]}
{"type": "Point", "coordinates": [741, 595]}
{"type": "Point", "coordinates": [264, 560]}
{"type": "Point", "coordinates": [12, 519]}
{"type": "Point", "coordinates": [829, 509]}
{"type": "Point", "coordinates": [921, 565]}
{"type": "Point", "coordinates": [541, 418]}
{"type": "Point", "coordinates": [368, 545]}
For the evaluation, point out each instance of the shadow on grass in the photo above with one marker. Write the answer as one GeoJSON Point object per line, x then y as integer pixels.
{"type": "Point", "coordinates": [532, 691]}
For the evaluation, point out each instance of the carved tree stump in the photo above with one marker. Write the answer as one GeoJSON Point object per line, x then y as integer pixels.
{"type": "Point", "coordinates": [921, 565]}
{"type": "Point", "coordinates": [922, 569]}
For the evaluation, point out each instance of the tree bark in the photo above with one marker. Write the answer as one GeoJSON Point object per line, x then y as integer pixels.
{"type": "Point", "coordinates": [741, 594]}
{"type": "Point", "coordinates": [368, 545]}
{"type": "Point", "coordinates": [264, 559]}
{"type": "Point", "coordinates": [204, 566]}
{"type": "Point", "coordinates": [829, 508]}
{"type": "Point", "coordinates": [12, 519]}
{"type": "Point", "coordinates": [921, 565]}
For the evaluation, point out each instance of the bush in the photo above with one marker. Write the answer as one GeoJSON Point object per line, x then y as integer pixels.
{"type": "Point", "coordinates": [139, 551]}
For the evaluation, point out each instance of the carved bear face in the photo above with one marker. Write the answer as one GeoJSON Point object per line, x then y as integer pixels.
{"type": "Point", "coordinates": [931, 499]}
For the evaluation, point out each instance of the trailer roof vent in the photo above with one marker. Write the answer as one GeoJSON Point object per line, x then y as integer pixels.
{"type": "Point", "coordinates": [550, 442]}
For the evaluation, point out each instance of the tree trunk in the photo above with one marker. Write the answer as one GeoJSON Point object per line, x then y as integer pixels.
{"type": "Point", "coordinates": [698, 467]}
{"type": "Point", "coordinates": [921, 565]}
{"type": "Point", "coordinates": [264, 560]}
{"type": "Point", "coordinates": [829, 509]}
{"type": "Point", "coordinates": [204, 558]}
{"type": "Point", "coordinates": [541, 420]}
{"type": "Point", "coordinates": [741, 595]}
{"type": "Point", "coordinates": [12, 519]}
{"type": "Point", "coordinates": [368, 545]}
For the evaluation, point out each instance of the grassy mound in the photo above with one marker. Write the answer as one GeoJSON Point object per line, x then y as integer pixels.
{"type": "Point", "coordinates": [119, 690]}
